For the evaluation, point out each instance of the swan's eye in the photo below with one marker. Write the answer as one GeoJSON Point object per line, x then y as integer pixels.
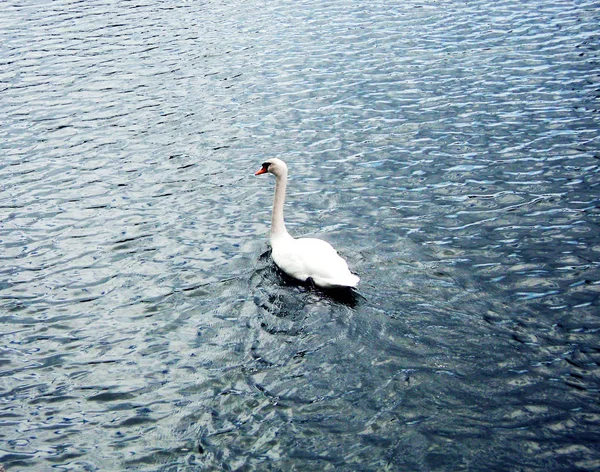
{"type": "Point", "coordinates": [266, 165]}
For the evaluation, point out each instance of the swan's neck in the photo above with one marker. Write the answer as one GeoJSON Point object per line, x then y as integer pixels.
{"type": "Point", "coordinates": [277, 223]}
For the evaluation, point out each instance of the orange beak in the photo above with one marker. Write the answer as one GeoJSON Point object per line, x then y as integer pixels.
{"type": "Point", "coordinates": [262, 170]}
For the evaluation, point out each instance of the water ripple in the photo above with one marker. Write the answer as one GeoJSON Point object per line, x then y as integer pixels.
{"type": "Point", "coordinates": [448, 149]}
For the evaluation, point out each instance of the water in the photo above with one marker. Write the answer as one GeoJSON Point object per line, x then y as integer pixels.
{"type": "Point", "coordinates": [450, 150]}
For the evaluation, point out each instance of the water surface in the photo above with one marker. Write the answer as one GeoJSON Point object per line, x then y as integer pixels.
{"type": "Point", "coordinates": [450, 151]}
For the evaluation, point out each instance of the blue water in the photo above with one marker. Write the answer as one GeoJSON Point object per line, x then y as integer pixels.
{"type": "Point", "coordinates": [449, 150]}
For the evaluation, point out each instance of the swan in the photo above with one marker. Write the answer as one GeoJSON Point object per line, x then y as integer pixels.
{"type": "Point", "coordinates": [306, 259]}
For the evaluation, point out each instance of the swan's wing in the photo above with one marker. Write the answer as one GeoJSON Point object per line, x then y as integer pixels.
{"type": "Point", "coordinates": [315, 258]}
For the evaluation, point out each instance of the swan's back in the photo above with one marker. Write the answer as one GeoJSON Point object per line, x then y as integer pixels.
{"type": "Point", "coordinates": [312, 258]}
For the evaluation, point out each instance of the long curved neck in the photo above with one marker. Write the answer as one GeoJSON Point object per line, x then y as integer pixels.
{"type": "Point", "coordinates": [277, 223]}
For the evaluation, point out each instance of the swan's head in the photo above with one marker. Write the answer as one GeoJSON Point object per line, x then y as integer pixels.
{"type": "Point", "coordinates": [274, 166]}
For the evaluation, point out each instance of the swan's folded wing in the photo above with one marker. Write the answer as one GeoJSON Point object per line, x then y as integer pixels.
{"type": "Point", "coordinates": [314, 258]}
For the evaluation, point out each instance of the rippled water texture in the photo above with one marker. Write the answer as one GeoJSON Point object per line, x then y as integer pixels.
{"type": "Point", "coordinates": [450, 150]}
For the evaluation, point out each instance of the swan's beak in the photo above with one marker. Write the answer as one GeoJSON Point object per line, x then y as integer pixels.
{"type": "Point", "coordinates": [262, 170]}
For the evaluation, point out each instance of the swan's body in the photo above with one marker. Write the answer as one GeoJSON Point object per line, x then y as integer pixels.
{"type": "Point", "coordinates": [305, 259]}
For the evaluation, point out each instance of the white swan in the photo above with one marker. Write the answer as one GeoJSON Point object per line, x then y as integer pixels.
{"type": "Point", "coordinates": [305, 259]}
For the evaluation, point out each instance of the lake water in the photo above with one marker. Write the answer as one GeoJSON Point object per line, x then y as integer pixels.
{"type": "Point", "coordinates": [450, 150]}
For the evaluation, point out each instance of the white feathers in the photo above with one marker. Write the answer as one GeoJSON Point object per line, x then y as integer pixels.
{"type": "Point", "coordinates": [304, 258]}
